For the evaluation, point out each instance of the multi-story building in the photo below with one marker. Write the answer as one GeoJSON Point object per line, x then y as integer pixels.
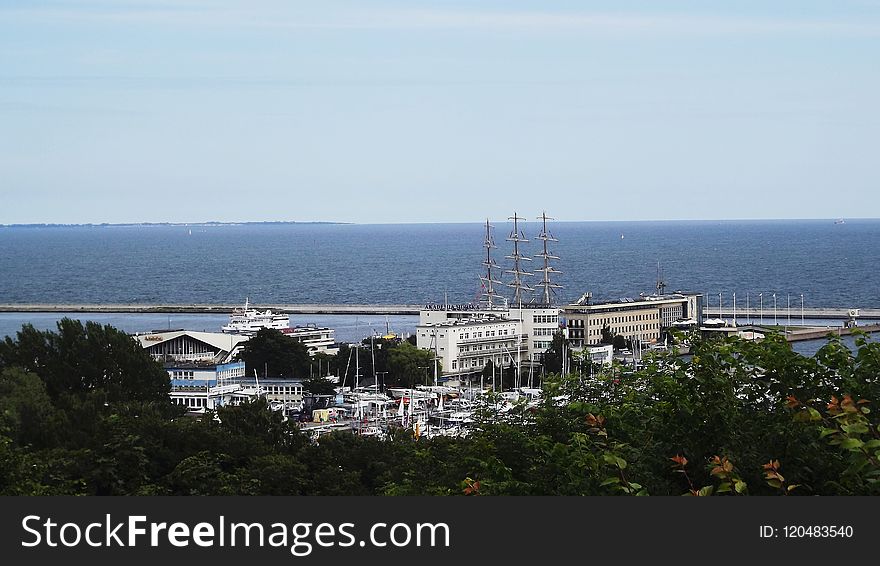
{"type": "Point", "coordinates": [465, 345]}
{"type": "Point", "coordinates": [538, 324]}
{"type": "Point", "coordinates": [641, 319]}
{"type": "Point", "coordinates": [316, 338]}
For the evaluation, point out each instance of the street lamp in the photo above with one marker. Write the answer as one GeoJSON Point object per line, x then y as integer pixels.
{"type": "Point", "coordinates": [774, 310]}
{"type": "Point", "coordinates": [734, 308]}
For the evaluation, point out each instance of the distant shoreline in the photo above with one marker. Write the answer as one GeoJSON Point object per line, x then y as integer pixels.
{"type": "Point", "coordinates": [339, 223]}
{"type": "Point", "coordinates": [174, 224]}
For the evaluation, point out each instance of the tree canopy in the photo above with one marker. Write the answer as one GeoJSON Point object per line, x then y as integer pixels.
{"type": "Point", "coordinates": [736, 418]}
{"type": "Point", "coordinates": [269, 352]}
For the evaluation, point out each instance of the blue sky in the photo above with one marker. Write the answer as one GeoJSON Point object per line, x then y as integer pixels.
{"type": "Point", "coordinates": [416, 111]}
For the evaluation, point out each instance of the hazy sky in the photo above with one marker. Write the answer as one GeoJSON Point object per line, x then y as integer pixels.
{"type": "Point", "coordinates": [417, 111]}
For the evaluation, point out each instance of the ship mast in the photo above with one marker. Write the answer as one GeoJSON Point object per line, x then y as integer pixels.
{"type": "Point", "coordinates": [489, 264]}
{"type": "Point", "coordinates": [517, 284]}
{"type": "Point", "coordinates": [547, 285]}
{"type": "Point", "coordinates": [661, 284]}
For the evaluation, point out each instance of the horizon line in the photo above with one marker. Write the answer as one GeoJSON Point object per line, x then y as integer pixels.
{"type": "Point", "coordinates": [340, 222]}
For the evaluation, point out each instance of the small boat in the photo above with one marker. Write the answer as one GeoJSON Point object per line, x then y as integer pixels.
{"type": "Point", "coordinates": [840, 221]}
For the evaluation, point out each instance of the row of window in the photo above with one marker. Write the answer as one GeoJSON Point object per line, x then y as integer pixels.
{"type": "Point", "coordinates": [620, 319]}
{"type": "Point", "coordinates": [480, 347]}
{"type": "Point", "coordinates": [192, 402]}
{"type": "Point", "coordinates": [624, 329]}
{"type": "Point", "coordinates": [544, 331]}
{"type": "Point", "coordinates": [487, 333]}
{"type": "Point", "coordinates": [475, 363]}
{"type": "Point", "coordinates": [545, 319]}
{"type": "Point", "coordinates": [283, 389]}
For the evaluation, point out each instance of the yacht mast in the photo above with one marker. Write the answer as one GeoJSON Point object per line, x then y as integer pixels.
{"type": "Point", "coordinates": [547, 285]}
{"type": "Point", "coordinates": [517, 284]}
{"type": "Point", "coordinates": [488, 283]}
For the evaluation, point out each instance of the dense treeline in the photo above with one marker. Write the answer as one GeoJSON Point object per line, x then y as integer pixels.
{"type": "Point", "coordinates": [85, 411]}
{"type": "Point", "coordinates": [391, 361]}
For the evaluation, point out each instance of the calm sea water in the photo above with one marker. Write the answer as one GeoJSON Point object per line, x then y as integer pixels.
{"type": "Point", "coordinates": [831, 264]}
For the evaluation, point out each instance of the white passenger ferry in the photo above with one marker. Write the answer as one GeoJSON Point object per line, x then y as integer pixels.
{"type": "Point", "coordinates": [249, 321]}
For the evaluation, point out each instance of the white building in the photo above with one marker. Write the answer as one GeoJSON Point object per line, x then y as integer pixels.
{"type": "Point", "coordinates": [202, 388]}
{"type": "Point", "coordinates": [601, 355]}
{"type": "Point", "coordinates": [317, 339]}
{"type": "Point", "coordinates": [190, 346]}
{"type": "Point", "coordinates": [537, 324]}
{"type": "Point", "coordinates": [465, 345]}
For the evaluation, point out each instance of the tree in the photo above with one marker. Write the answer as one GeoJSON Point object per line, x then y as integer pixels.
{"type": "Point", "coordinates": [319, 386]}
{"type": "Point", "coordinates": [620, 342]}
{"type": "Point", "coordinates": [488, 370]}
{"type": "Point", "coordinates": [81, 360]}
{"type": "Point", "coordinates": [405, 362]}
{"type": "Point", "coordinates": [552, 358]}
{"type": "Point", "coordinates": [272, 353]}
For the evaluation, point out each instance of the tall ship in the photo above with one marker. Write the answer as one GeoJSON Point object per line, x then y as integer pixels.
{"type": "Point", "coordinates": [249, 321]}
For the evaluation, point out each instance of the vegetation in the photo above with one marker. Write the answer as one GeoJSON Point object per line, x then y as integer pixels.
{"type": "Point", "coordinates": [85, 411]}
{"type": "Point", "coordinates": [271, 353]}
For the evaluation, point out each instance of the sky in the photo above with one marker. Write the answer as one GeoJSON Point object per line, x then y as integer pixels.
{"type": "Point", "coordinates": [446, 111]}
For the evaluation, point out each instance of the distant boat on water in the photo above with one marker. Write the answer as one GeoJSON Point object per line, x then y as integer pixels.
{"type": "Point", "coordinates": [840, 221]}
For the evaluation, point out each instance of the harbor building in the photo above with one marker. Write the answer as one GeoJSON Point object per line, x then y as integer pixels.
{"type": "Point", "coordinates": [601, 355]}
{"type": "Point", "coordinates": [318, 340]}
{"type": "Point", "coordinates": [191, 346]}
{"type": "Point", "coordinates": [529, 321]}
{"type": "Point", "coordinates": [537, 325]}
{"type": "Point", "coordinates": [202, 388]}
{"type": "Point", "coordinates": [642, 319]}
{"type": "Point", "coordinates": [465, 345]}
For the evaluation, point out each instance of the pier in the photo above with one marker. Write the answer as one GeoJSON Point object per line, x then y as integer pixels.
{"type": "Point", "coordinates": [753, 314]}
{"type": "Point", "coordinates": [783, 313]}
{"type": "Point", "coordinates": [213, 308]}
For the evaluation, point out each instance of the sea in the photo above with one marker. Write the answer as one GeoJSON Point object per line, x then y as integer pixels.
{"type": "Point", "coordinates": [830, 264]}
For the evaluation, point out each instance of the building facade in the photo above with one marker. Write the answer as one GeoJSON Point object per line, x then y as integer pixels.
{"type": "Point", "coordinates": [641, 319]}
{"type": "Point", "coordinates": [538, 324]}
{"type": "Point", "coordinates": [465, 345]}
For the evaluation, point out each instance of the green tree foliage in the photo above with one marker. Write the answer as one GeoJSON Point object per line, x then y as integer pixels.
{"type": "Point", "coordinates": [553, 356]}
{"type": "Point", "coordinates": [272, 353]}
{"type": "Point", "coordinates": [738, 418]}
{"type": "Point", "coordinates": [79, 359]}
{"type": "Point", "coordinates": [319, 386]}
{"type": "Point", "coordinates": [406, 363]}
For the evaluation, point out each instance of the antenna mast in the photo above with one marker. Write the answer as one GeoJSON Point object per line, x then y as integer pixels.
{"type": "Point", "coordinates": [518, 285]}
{"type": "Point", "coordinates": [547, 255]}
{"type": "Point", "coordinates": [488, 290]}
